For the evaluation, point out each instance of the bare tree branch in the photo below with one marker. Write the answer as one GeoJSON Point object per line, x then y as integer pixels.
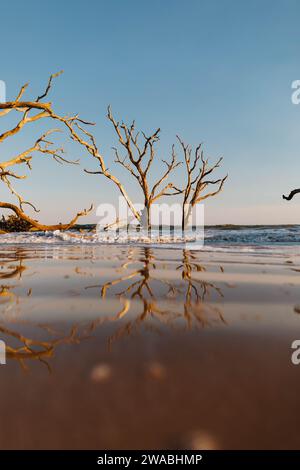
{"type": "Point", "coordinates": [37, 225]}
{"type": "Point", "coordinates": [33, 111]}
{"type": "Point", "coordinates": [197, 169]}
{"type": "Point", "coordinates": [139, 158]}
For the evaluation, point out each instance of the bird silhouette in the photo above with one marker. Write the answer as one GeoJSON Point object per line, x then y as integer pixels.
{"type": "Point", "coordinates": [291, 195]}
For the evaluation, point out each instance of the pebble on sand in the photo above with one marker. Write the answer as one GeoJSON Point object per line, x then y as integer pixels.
{"type": "Point", "coordinates": [101, 373]}
{"type": "Point", "coordinates": [156, 370]}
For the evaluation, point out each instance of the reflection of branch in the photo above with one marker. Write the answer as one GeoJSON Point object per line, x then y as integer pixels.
{"type": "Point", "coordinates": [197, 290]}
{"type": "Point", "coordinates": [34, 349]}
{"type": "Point", "coordinates": [139, 285]}
{"type": "Point", "coordinates": [30, 349]}
{"type": "Point", "coordinates": [180, 301]}
{"type": "Point", "coordinates": [6, 295]}
{"type": "Point", "coordinates": [99, 321]}
{"type": "Point", "coordinates": [188, 266]}
{"type": "Point", "coordinates": [14, 271]}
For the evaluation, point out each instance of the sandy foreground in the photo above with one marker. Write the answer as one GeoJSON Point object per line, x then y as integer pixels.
{"type": "Point", "coordinates": [140, 348]}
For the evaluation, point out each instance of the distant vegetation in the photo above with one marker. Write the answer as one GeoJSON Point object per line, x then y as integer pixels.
{"type": "Point", "coordinates": [12, 223]}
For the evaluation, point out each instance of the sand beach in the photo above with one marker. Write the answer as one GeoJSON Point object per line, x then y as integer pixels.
{"type": "Point", "coordinates": [120, 347]}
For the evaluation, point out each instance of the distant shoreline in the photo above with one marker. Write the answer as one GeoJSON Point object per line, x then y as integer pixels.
{"type": "Point", "coordinates": [217, 226]}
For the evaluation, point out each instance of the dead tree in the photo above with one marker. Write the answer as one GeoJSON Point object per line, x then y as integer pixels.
{"type": "Point", "coordinates": [137, 160]}
{"type": "Point", "coordinates": [198, 180]}
{"type": "Point", "coordinates": [31, 112]}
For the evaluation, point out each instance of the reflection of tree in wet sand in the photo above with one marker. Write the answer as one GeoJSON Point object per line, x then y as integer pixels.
{"type": "Point", "coordinates": [149, 299]}
{"type": "Point", "coordinates": [163, 301]}
{"type": "Point", "coordinates": [18, 346]}
{"type": "Point", "coordinates": [11, 267]}
{"type": "Point", "coordinates": [32, 349]}
{"type": "Point", "coordinates": [196, 292]}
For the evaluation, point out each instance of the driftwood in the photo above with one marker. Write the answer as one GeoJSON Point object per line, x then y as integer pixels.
{"type": "Point", "coordinates": [31, 112]}
{"type": "Point", "coordinates": [37, 225]}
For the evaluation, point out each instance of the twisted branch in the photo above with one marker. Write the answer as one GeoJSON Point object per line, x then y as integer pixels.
{"type": "Point", "coordinates": [37, 225]}
{"type": "Point", "coordinates": [42, 145]}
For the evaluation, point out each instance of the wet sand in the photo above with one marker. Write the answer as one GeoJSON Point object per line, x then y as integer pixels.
{"type": "Point", "coordinates": [140, 348]}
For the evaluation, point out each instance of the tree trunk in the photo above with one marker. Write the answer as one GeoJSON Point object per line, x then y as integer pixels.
{"type": "Point", "coordinates": [146, 217]}
{"type": "Point", "coordinates": [186, 214]}
{"type": "Point", "coordinates": [149, 218]}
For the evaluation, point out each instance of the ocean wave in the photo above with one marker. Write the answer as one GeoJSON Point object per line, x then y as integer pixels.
{"type": "Point", "coordinates": [85, 237]}
{"type": "Point", "coordinates": [267, 239]}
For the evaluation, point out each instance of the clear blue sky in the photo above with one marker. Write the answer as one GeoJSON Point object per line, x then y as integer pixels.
{"type": "Point", "coordinates": [213, 71]}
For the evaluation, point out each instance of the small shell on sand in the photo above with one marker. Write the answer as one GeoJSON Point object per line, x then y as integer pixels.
{"type": "Point", "coordinates": [101, 373]}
